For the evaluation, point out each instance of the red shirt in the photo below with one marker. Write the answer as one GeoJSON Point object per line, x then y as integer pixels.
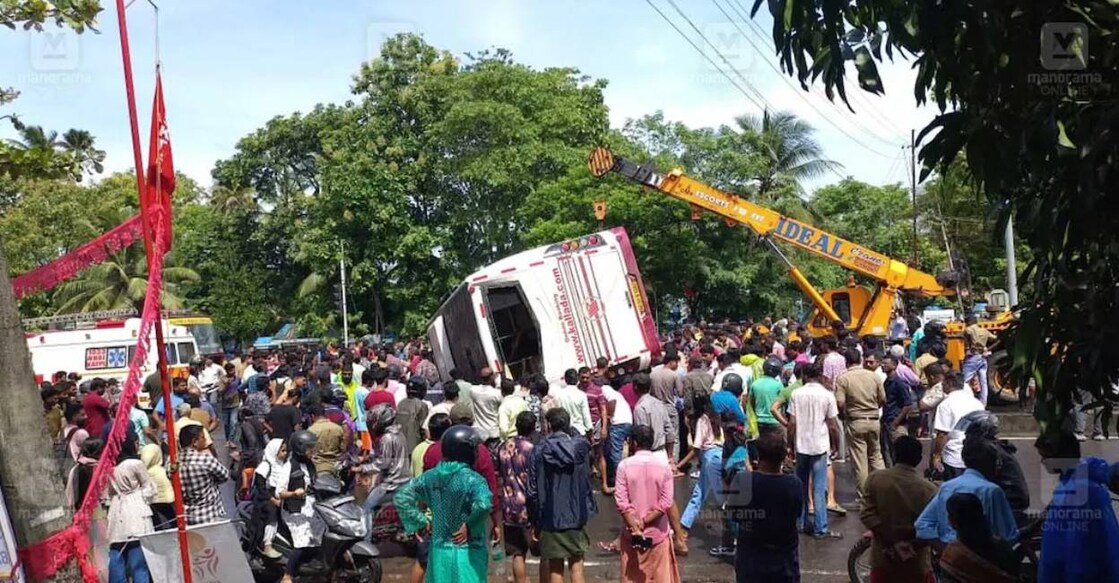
{"type": "Point", "coordinates": [97, 410]}
{"type": "Point", "coordinates": [379, 397]}
{"type": "Point", "coordinates": [629, 395]}
{"type": "Point", "coordinates": [483, 464]}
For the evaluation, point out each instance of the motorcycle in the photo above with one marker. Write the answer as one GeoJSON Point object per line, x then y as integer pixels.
{"type": "Point", "coordinates": [388, 532]}
{"type": "Point", "coordinates": [1027, 551]}
{"type": "Point", "coordinates": [344, 554]}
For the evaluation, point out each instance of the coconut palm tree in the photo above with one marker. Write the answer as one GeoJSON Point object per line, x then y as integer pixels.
{"type": "Point", "coordinates": [120, 282]}
{"type": "Point", "coordinates": [227, 200]}
{"type": "Point", "coordinates": [789, 152]}
{"type": "Point", "coordinates": [70, 155]}
{"type": "Point", "coordinates": [79, 143]}
{"type": "Point", "coordinates": [36, 138]}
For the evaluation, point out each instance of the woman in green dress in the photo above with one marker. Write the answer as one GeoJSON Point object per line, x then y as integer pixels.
{"type": "Point", "coordinates": [453, 503]}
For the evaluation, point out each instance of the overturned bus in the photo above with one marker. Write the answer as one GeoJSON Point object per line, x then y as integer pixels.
{"type": "Point", "coordinates": [549, 309]}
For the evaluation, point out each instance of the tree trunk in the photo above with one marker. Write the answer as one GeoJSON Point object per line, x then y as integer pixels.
{"type": "Point", "coordinates": [33, 488]}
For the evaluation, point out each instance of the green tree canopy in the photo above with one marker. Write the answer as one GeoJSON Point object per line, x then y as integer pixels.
{"type": "Point", "coordinates": [1039, 140]}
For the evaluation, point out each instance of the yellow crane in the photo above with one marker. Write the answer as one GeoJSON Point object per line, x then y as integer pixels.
{"type": "Point", "coordinates": [862, 310]}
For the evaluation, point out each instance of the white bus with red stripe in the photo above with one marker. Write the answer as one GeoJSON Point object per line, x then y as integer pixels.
{"type": "Point", "coordinates": [549, 309]}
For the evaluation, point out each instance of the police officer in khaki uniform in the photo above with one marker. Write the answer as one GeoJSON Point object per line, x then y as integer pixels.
{"type": "Point", "coordinates": [860, 395]}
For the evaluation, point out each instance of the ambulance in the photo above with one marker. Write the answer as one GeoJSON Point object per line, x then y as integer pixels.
{"type": "Point", "coordinates": [103, 347]}
{"type": "Point", "coordinates": [549, 309]}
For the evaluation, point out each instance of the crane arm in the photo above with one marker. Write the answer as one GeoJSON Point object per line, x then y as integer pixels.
{"type": "Point", "coordinates": [770, 225]}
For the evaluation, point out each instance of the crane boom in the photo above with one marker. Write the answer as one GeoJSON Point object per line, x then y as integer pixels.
{"type": "Point", "coordinates": [769, 224]}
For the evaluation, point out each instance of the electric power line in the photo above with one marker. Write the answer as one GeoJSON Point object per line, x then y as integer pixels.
{"type": "Point", "coordinates": [812, 89]}
{"type": "Point", "coordinates": [714, 48]}
{"type": "Point", "coordinates": [705, 56]}
{"type": "Point", "coordinates": [894, 166]}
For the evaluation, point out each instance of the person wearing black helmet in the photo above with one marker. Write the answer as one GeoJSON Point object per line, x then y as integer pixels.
{"type": "Point", "coordinates": [451, 501]}
{"type": "Point", "coordinates": [984, 425]}
{"type": "Point", "coordinates": [412, 412]}
{"type": "Point", "coordinates": [727, 399]}
{"type": "Point", "coordinates": [389, 466]}
{"type": "Point", "coordinates": [296, 500]}
{"type": "Point", "coordinates": [764, 391]}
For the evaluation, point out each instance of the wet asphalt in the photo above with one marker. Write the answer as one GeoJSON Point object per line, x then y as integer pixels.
{"type": "Point", "coordinates": [821, 561]}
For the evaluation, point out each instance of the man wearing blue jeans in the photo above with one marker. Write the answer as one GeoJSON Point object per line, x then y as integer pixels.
{"type": "Point", "coordinates": [979, 342]}
{"type": "Point", "coordinates": [621, 421]}
{"type": "Point", "coordinates": [814, 438]}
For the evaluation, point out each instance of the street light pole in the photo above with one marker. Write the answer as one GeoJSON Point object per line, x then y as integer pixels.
{"type": "Point", "coordinates": [913, 189]}
{"type": "Point", "coordinates": [1011, 267]}
{"type": "Point", "coordinates": [345, 315]}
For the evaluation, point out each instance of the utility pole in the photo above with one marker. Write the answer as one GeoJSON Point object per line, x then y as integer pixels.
{"type": "Point", "coordinates": [33, 485]}
{"type": "Point", "coordinates": [345, 314]}
{"type": "Point", "coordinates": [913, 188]}
{"type": "Point", "coordinates": [1011, 268]}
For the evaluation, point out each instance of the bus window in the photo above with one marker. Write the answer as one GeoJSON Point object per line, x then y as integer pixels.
{"type": "Point", "coordinates": [514, 330]}
{"type": "Point", "coordinates": [206, 338]}
{"type": "Point", "coordinates": [186, 352]}
{"type": "Point", "coordinates": [171, 352]}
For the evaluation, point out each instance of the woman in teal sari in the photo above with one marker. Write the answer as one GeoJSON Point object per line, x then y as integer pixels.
{"type": "Point", "coordinates": [453, 502]}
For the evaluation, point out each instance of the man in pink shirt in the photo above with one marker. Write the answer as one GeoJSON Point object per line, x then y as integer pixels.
{"type": "Point", "coordinates": [644, 494]}
{"type": "Point", "coordinates": [834, 362]}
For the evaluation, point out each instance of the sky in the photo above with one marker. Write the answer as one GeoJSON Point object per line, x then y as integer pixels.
{"type": "Point", "coordinates": [229, 67]}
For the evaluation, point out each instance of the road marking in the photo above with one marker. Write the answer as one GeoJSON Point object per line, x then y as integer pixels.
{"type": "Point", "coordinates": [1020, 438]}
{"type": "Point", "coordinates": [535, 561]}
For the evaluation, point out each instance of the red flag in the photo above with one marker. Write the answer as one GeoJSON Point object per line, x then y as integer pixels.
{"type": "Point", "coordinates": [161, 171]}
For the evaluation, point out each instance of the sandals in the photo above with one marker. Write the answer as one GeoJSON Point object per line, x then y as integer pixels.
{"type": "Point", "coordinates": [609, 547]}
{"type": "Point", "coordinates": [722, 552]}
{"type": "Point", "coordinates": [837, 509]}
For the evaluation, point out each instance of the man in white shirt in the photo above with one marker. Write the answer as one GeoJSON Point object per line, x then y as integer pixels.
{"type": "Point", "coordinates": [814, 437]}
{"type": "Point", "coordinates": [251, 370]}
{"type": "Point", "coordinates": [485, 402]}
{"type": "Point", "coordinates": [949, 442]}
{"type": "Point", "coordinates": [621, 422]}
{"type": "Point", "coordinates": [450, 399]}
{"type": "Point", "coordinates": [728, 363]}
{"type": "Point", "coordinates": [573, 400]}
{"type": "Point", "coordinates": [212, 374]}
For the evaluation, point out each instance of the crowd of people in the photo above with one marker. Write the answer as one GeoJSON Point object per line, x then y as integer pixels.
{"type": "Point", "coordinates": [482, 468]}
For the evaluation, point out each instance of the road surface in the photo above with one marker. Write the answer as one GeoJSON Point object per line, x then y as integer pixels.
{"type": "Point", "coordinates": [822, 561]}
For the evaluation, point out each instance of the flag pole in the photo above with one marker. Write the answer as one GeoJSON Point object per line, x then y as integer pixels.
{"type": "Point", "coordinates": [150, 245]}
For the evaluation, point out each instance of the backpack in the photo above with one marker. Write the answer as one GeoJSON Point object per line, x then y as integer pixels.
{"type": "Point", "coordinates": [62, 455]}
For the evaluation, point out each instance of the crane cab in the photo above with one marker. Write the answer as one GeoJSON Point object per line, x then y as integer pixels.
{"type": "Point", "coordinates": [864, 311]}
